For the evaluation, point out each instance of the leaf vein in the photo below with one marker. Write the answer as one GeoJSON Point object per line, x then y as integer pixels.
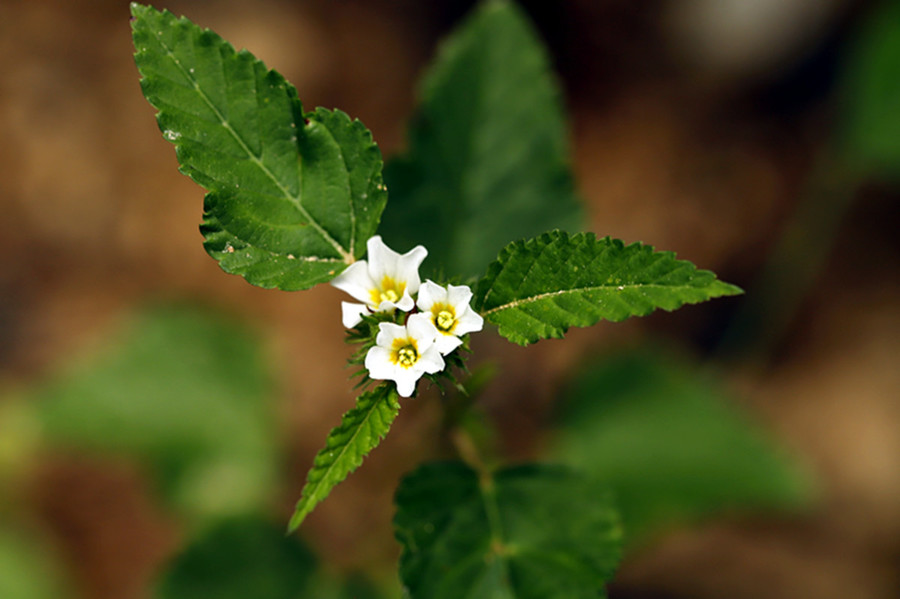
{"type": "Point", "coordinates": [348, 258]}
{"type": "Point", "coordinates": [550, 294]}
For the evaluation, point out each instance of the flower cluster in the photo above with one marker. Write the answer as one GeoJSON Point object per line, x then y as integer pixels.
{"type": "Point", "coordinates": [415, 345]}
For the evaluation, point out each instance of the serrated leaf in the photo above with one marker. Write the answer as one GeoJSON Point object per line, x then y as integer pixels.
{"type": "Point", "coordinates": [292, 197]}
{"type": "Point", "coordinates": [186, 392]}
{"type": "Point", "coordinates": [360, 431]}
{"type": "Point", "coordinates": [540, 287]}
{"type": "Point", "coordinates": [528, 532]}
{"type": "Point", "coordinates": [488, 158]}
{"type": "Point", "coordinates": [671, 444]}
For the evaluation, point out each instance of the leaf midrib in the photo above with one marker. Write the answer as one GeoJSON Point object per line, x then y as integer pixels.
{"type": "Point", "coordinates": [307, 498]}
{"type": "Point", "coordinates": [541, 296]}
{"type": "Point", "coordinates": [346, 256]}
{"type": "Point", "coordinates": [488, 493]}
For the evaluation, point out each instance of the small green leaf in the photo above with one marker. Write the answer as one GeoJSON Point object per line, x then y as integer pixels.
{"type": "Point", "coordinates": [488, 158]}
{"type": "Point", "coordinates": [671, 444]}
{"type": "Point", "coordinates": [360, 431]}
{"type": "Point", "coordinates": [292, 196]}
{"type": "Point", "coordinates": [183, 390]}
{"type": "Point", "coordinates": [239, 559]}
{"type": "Point", "coordinates": [525, 532]}
{"type": "Point", "coordinates": [870, 89]}
{"type": "Point", "coordinates": [539, 288]}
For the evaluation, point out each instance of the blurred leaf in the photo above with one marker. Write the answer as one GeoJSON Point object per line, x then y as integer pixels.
{"type": "Point", "coordinates": [240, 559]}
{"type": "Point", "coordinates": [292, 197]}
{"type": "Point", "coordinates": [871, 91]}
{"type": "Point", "coordinates": [27, 570]}
{"type": "Point", "coordinates": [360, 431]}
{"type": "Point", "coordinates": [250, 558]}
{"type": "Point", "coordinates": [539, 288]}
{"type": "Point", "coordinates": [354, 587]}
{"type": "Point", "coordinates": [185, 391]}
{"type": "Point", "coordinates": [488, 158]}
{"type": "Point", "coordinates": [670, 445]}
{"type": "Point", "coordinates": [19, 441]}
{"type": "Point", "coordinates": [526, 532]}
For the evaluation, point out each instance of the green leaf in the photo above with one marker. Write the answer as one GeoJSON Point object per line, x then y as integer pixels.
{"type": "Point", "coordinates": [186, 392]}
{"type": "Point", "coordinates": [360, 431]}
{"type": "Point", "coordinates": [870, 89]}
{"type": "Point", "coordinates": [292, 197]}
{"type": "Point", "coordinates": [671, 444]}
{"type": "Point", "coordinates": [540, 287]}
{"type": "Point", "coordinates": [488, 158]}
{"type": "Point", "coordinates": [251, 558]}
{"type": "Point", "coordinates": [525, 532]}
{"type": "Point", "coordinates": [239, 559]}
{"type": "Point", "coordinates": [28, 568]}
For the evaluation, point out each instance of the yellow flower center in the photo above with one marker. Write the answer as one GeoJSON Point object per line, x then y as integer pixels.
{"type": "Point", "coordinates": [404, 352]}
{"type": "Point", "coordinates": [407, 356]}
{"type": "Point", "coordinates": [389, 291]}
{"type": "Point", "coordinates": [444, 317]}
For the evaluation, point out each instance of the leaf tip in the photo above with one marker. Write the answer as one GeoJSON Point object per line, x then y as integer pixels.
{"type": "Point", "coordinates": [296, 520]}
{"type": "Point", "coordinates": [138, 10]}
{"type": "Point", "coordinates": [727, 289]}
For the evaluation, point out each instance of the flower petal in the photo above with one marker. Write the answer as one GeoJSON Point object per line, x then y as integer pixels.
{"type": "Point", "coordinates": [447, 343]}
{"type": "Point", "coordinates": [422, 330]}
{"type": "Point", "coordinates": [459, 297]}
{"type": "Point", "coordinates": [406, 302]}
{"type": "Point", "coordinates": [379, 365]}
{"type": "Point", "coordinates": [406, 381]}
{"type": "Point", "coordinates": [382, 259]}
{"type": "Point", "coordinates": [387, 332]}
{"type": "Point", "coordinates": [355, 280]}
{"type": "Point", "coordinates": [429, 294]}
{"type": "Point", "coordinates": [431, 361]}
{"type": "Point", "coordinates": [351, 314]}
{"type": "Point", "coordinates": [469, 321]}
{"type": "Point", "coordinates": [408, 268]}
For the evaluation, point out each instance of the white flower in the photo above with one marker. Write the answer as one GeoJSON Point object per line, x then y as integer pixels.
{"type": "Point", "coordinates": [386, 282]}
{"type": "Point", "coordinates": [448, 310]}
{"type": "Point", "coordinates": [404, 353]}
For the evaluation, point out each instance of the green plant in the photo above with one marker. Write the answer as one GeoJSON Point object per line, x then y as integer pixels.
{"type": "Point", "coordinates": [295, 199]}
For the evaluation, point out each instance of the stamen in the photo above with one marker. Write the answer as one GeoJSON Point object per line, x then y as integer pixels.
{"type": "Point", "coordinates": [388, 291]}
{"type": "Point", "coordinates": [407, 356]}
{"type": "Point", "coordinates": [445, 320]}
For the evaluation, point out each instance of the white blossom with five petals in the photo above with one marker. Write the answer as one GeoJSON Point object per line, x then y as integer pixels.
{"type": "Point", "coordinates": [385, 282]}
{"type": "Point", "coordinates": [449, 312]}
{"type": "Point", "coordinates": [404, 353]}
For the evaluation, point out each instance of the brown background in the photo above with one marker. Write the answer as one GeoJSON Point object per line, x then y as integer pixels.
{"type": "Point", "coordinates": [690, 132]}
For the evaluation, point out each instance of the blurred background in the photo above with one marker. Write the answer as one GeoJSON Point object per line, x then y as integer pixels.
{"type": "Point", "coordinates": [150, 402]}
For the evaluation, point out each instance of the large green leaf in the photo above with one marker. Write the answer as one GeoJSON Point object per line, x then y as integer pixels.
{"type": "Point", "coordinates": [540, 287]}
{"type": "Point", "coordinates": [522, 533]}
{"type": "Point", "coordinates": [292, 197]}
{"type": "Point", "coordinates": [488, 158]}
{"type": "Point", "coordinates": [239, 559]}
{"type": "Point", "coordinates": [360, 431]}
{"type": "Point", "coordinates": [186, 392]}
{"type": "Point", "coordinates": [671, 444]}
{"type": "Point", "coordinates": [870, 88]}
